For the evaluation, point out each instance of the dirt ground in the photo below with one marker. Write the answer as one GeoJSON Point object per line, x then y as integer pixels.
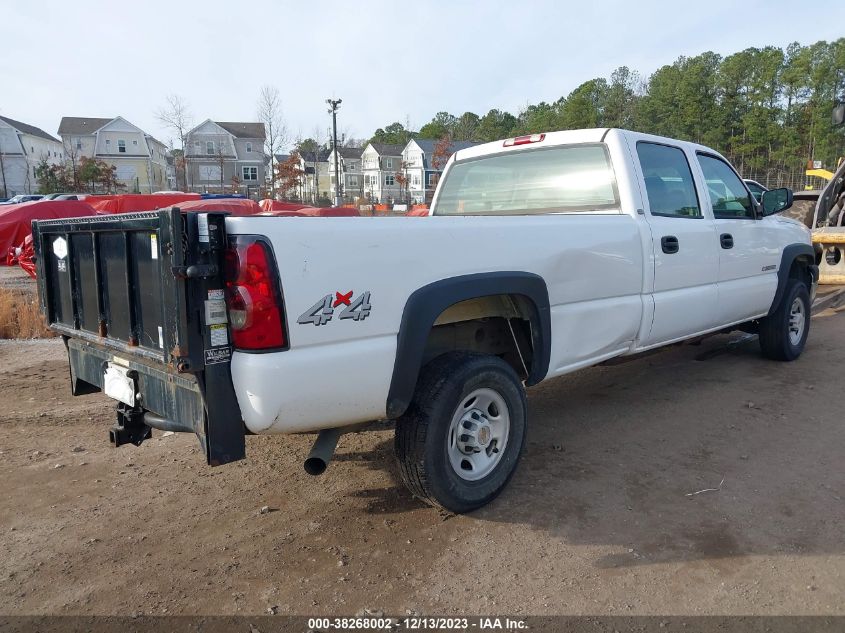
{"type": "Point", "coordinates": [599, 518]}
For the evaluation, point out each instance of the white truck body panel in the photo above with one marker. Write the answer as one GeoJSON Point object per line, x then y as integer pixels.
{"type": "Point", "coordinates": [612, 290]}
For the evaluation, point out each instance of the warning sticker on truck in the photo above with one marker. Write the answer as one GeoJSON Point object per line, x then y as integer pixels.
{"type": "Point", "coordinates": [215, 311]}
{"type": "Point", "coordinates": [219, 355]}
{"type": "Point", "coordinates": [219, 335]}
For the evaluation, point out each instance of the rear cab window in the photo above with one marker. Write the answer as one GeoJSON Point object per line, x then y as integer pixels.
{"type": "Point", "coordinates": [668, 181]}
{"type": "Point", "coordinates": [563, 179]}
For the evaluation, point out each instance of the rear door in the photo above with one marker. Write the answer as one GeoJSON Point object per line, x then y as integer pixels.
{"type": "Point", "coordinates": [684, 244]}
{"type": "Point", "coordinates": [748, 252]}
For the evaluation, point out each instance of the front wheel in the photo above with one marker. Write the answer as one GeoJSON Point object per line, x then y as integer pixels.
{"type": "Point", "coordinates": [783, 333]}
{"type": "Point", "coordinates": [460, 440]}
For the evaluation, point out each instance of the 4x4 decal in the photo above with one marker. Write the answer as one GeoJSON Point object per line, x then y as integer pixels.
{"type": "Point", "coordinates": [323, 311]}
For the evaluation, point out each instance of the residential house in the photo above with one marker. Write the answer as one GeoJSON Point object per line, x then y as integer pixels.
{"type": "Point", "coordinates": [22, 148]}
{"type": "Point", "coordinates": [423, 168]}
{"type": "Point", "coordinates": [318, 176]}
{"type": "Point", "coordinates": [349, 169]}
{"type": "Point", "coordinates": [225, 156]}
{"type": "Point", "coordinates": [140, 160]}
{"type": "Point", "coordinates": [379, 164]}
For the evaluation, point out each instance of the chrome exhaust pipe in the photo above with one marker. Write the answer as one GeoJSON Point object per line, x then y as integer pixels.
{"type": "Point", "coordinates": [321, 453]}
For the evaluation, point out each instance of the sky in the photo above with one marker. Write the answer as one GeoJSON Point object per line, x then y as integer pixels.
{"type": "Point", "coordinates": [396, 60]}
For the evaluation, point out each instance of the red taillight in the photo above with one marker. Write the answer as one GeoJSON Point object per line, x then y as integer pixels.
{"type": "Point", "coordinates": [252, 296]}
{"type": "Point", "coordinates": [524, 140]}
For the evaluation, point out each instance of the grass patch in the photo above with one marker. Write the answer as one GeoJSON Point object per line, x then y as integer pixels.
{"type": "Point", "coordinates": [20, 316]}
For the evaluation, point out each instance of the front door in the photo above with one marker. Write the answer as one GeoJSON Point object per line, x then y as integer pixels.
{"type": "Point", "coordinates": [684, 243]}
{"type": "Point", "coordinates": [748, 256]}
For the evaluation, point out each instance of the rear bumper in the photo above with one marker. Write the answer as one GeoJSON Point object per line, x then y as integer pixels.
{"type": "Point", "coordinates": [176, 397]}
{"type": "Point", "coordinates": [173, 396]}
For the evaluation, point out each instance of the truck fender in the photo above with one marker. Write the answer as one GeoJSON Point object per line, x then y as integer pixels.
{"type": "Point", "coordinates": [787, 258]}
{"type": "Point", "coordinates": [427, 303]}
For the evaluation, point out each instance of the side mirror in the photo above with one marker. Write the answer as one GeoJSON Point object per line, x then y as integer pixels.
{"type": "Point", "coordinates": [839, 114]}
{"type": "Point", "coordinates": [776, 200]}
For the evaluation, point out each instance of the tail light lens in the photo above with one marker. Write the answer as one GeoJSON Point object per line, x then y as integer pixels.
{"type": "Point", "coordinates": [253, 297]}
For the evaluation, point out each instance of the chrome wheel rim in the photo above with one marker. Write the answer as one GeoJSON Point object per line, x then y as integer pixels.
{"type": "Point", "coordinates": [796, 321]}
{"type": "Point", "coordinates": [478, 434]}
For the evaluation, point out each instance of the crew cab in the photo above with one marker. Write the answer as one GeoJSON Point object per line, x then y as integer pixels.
{"type": "Point", "coordinates": [542, 254]}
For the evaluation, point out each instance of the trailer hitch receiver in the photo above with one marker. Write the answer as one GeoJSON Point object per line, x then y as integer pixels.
{"type": "Point", "coordinates": [130, 427]}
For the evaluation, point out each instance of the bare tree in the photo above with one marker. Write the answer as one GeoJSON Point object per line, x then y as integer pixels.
{"type": "Point", "coordinates": [72, 155]}
{"type": "Point", "coordinates": [177, 117]}
{"type": "Point", "coordinates": [220, 155]}
{"type": "Point", "coordinates": [3, 173]}
{"type": "Point", "coordinates": [275, 130]}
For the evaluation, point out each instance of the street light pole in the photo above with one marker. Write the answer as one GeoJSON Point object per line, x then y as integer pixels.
{"type": "Point", "coordinates": [334, 104]}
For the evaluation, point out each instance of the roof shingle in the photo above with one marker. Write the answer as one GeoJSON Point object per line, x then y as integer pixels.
{"type": "Point", "coordinates": [81, 124]}
{"type": "Point", "coordinates": [28, 129]}
{"type": "Point", "coordinates": [243, 129]}
{"type": "Point", "coordinates": [386, 149]}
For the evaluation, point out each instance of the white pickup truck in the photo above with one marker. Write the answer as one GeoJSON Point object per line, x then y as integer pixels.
{"type": "Point", "coordinates": [542, 254]}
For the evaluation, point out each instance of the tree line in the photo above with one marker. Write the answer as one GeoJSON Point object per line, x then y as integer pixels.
{"type": "Point", "coordinates": [767, 109]}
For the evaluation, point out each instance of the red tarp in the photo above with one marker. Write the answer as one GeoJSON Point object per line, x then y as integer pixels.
{"type": "Point", "coordinates": [418, 210]}
{"type": "Point", "coordinates": [25, 259]}
{"type": "Point", "coordinates": [274, 205]}
{"type": "Point", "coordinates": [16, 220]}
{"type": "Point", "coordinates": [315, 212]}
{"type": "Point", "coordinates": [130, 202]}
{"type": "Point", "coordinates": [235, 206]}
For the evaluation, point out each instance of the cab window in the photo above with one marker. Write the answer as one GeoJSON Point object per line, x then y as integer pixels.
{"type": "Point", "coordinates": [728, 195]}
{"type": "Point", "coordinates": [668, 181]}
{"type": "Point", "coordinates": [564, 179]}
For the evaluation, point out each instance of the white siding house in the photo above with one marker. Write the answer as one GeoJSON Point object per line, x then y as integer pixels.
{"type": "Point", "coordinates": [351, 176]}
{"type": "Point", "coordinates": [423, 170]}
{"type": "Point", "coordinates": [22, 148]}
{"type": "Point", "coordinates": [379, 164]}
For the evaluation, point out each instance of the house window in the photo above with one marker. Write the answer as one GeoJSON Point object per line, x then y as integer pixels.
{"type": "Point", "coordinates": [134, 142]}
{"type": "Point", "coordinates": [353, 181]}
{"type": "Point", "coordinates": [431, 179]}
{"type": "Point", "coordinates": [388, 180]}
{"type": "Point", "coordinates": [249, 148]}
{"type": "Point", "coordinates": [121, 146]}
{"type": "Point", "coordinates": [108, 143]}
{"type": "Point", "coordinates": [250, 173]}
{"type": "Point", "coordinates": [209, 147]}
{"type": "Point", "coordinates": [388, 162]}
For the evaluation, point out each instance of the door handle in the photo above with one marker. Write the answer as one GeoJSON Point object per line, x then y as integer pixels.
{"type": "Point", "coordinates": [669, 244]}
{"type": "Point", "coordinates": [726, 240]}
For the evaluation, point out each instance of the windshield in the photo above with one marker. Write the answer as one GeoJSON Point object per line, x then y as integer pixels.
{"type": "Point", "coordinates": [574, 178]}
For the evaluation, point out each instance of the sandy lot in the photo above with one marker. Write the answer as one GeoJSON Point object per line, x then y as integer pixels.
{"type": "Point", "coordinates": [597, 520]}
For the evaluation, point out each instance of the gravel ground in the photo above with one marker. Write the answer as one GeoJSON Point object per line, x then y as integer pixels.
{"type": "Point", "coordinates": [599, 519]}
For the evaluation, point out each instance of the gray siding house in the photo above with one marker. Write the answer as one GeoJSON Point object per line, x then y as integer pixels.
{"type": "Point", "coordinates": [225, 156]}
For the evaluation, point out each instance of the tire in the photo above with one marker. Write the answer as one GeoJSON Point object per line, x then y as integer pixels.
{"type": "Point", "coordinates": [783, 333]}
{"type": "Point", "coordinates": [461, 472]}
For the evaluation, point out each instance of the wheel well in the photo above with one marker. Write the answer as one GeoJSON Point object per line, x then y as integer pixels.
{"type": "Point", "coordinates": [492, 301]}
{"type": "Point", "coordinates": [500, 325]}
{"type": "Point", "coordinates": [801, 269]}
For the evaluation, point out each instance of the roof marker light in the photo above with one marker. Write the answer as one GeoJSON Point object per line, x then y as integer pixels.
{"type": "Point", "coordinates": [524, 140]}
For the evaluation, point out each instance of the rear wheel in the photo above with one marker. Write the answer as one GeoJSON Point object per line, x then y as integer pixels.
{"type": "Point", "coordinates": [783, 333]}
{"type": "Point", "coordinates": [460, 440]}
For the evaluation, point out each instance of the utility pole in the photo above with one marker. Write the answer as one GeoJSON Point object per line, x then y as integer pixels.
{"type": "Point", "coordinates": [334, 104]}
